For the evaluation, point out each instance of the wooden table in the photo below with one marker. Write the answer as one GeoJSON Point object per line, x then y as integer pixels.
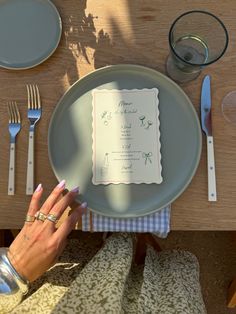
{"type": "Point", "coordinates": [99, 33]}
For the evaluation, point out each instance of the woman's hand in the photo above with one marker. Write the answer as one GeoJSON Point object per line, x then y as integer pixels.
{"type": "Point", "coordinates": [39, 243]}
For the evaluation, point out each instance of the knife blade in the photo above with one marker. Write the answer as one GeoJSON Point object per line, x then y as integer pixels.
{"type": "Point", "coordinates": [206, 123]}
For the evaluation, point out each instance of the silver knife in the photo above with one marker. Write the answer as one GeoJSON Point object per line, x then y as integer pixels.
{"type": "Point", "coordinates": [207, 128]}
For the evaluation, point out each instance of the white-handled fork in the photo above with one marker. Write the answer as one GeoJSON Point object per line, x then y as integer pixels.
{"type": "Point", "coordinates": [34, 114]}
{"type": "Point", "coordinates": [14, 127]}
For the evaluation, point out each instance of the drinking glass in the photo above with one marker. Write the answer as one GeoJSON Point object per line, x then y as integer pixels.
{"type": "Point", "coordinates": [196, 39]}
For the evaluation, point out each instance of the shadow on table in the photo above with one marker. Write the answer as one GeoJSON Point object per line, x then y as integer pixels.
{"type": "Point", "coordinates": [80, 35]}
{"type": "Point", "coordinates": [136, 41]}
{"type": "Point", "coordinates": [87, 44]}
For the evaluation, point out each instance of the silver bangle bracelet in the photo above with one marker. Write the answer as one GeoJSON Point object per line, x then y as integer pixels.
{"type": "Point", "coordinates": [5, 263]}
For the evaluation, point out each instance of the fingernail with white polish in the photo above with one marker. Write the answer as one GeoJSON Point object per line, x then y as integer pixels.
{"type": "Point", "coordinates": [75, 190]}
{"type": "Point", "coordinates": [39, 188]}
{"type": "Point", "coordinates": [61, 184]}
{"type": "Point", "coordinates": [84, 205]}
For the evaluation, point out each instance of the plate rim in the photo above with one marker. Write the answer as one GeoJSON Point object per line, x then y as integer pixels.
{"type": "Point", "coordinates": [154, 72]}
{"type": "Point", "coordinates": [3, 66]}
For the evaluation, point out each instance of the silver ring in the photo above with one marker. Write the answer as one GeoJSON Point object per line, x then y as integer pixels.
{"type": "Point", "coordinates": [41, 216]}
{"type": "Point", "coordinates": [52, 218]}
{"type": "Point", "coordinates": [29, 218]}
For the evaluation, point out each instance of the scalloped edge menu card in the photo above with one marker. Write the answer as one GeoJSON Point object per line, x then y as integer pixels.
{"type": "Point", "coordinates": [126, 136]}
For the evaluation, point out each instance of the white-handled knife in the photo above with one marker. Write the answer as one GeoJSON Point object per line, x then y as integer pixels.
{"type": "Point", "coordinates": [207, 129]}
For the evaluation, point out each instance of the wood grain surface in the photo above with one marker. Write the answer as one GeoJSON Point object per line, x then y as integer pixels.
{"type": "Point", "coordinates": [99, 33]}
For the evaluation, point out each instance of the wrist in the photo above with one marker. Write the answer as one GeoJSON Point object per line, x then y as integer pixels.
{"type": "Point", "coordinates": [6, 262]}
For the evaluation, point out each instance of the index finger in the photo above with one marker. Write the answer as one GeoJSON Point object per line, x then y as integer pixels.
{"type": "Point", "coordinates": [53, 198]}
{"type": "Point", "coordinates": [35, 201]}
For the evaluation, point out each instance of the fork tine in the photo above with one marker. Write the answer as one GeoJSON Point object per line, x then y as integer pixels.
{"type": "Point", "coordinates": [13, 112]}
{"type": "Point", "coordinates": [17, 113]}
{"type": "Point", "coordinates": [29, 93]}
{"type": "Point", "coordinates": [14, 109]}
{"type": "Point", "coordinates": [31, 97]}
{"type": "Point", "coordinates": [9, 111]}
{"type": "Point", "coordinates": [34, 97]}
{"type": "Point", "coordinates": [38, 98]}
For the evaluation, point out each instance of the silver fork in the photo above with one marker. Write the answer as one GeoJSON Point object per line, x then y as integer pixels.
{"type": "Point", "coordinates": [34, 114]}
{"type": "Point", "coordinates": [14, 127]}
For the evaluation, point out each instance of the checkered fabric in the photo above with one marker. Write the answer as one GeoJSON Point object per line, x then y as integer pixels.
{"type": "Point", "coordinates": [157, 223]}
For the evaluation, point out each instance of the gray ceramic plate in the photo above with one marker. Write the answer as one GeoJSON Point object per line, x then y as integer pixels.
{"type": "Point", "coordinates": [70, 142]}
{"type": "Point", "coordinates": [30, 31]}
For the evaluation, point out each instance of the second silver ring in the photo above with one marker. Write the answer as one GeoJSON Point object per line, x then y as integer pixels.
{"type": "Point", "coordinates": [52, 218]}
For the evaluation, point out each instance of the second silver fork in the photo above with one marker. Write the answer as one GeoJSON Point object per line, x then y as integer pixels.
{"type": "Point", "coordinates": [34, 114]}
{"type": "Point", "coordinates": [14, 128]}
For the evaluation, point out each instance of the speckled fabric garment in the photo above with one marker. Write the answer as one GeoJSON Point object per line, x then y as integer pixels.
{"type": "Point", "coordinates": [109, 282]}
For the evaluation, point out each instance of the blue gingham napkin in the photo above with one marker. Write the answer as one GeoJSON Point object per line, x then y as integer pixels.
{"type": "Point", "coordinates": [157, 223]}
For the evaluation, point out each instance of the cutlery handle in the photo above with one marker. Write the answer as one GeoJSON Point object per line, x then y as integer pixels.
{"type": "Point", "coordinates": [11, 175]}
{"type": "Point", "coordinates": [30, 165]}
{"type": "Point", "coordinates": [212, 196]}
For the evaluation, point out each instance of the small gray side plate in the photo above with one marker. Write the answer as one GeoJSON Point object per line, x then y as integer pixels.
{"type": "Point", "coordinates": [30, 31]}
{"type": "Point", "coordinates": [70, 142]}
